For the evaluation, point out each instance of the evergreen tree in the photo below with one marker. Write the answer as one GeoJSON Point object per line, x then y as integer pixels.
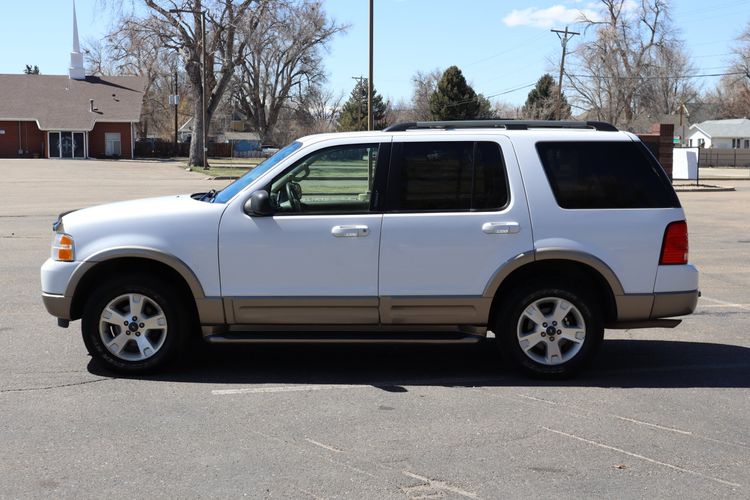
{"type": "Point", "coordinates": [354, 111]}
{"type": "Point", "coordinates": [454, 99]}
{"type": "Point", "coordinates": [541, 103]}
{"type": "Point", "coordinates": [31, 70]}
{"type": "Point", "coordinates": [485, 108]}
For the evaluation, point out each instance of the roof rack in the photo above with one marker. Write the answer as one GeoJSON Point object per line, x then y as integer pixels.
{"type": "Point", "coordinates": [506, 124]}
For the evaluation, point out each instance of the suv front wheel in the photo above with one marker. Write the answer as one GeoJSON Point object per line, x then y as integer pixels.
{"type": "Point", "coordinates": [133, 324]}
{"type": "Point", "coordinates": [550, 330]}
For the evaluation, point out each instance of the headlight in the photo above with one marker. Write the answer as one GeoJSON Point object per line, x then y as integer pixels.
{"type": "Point", "coordinates": [63, 248]}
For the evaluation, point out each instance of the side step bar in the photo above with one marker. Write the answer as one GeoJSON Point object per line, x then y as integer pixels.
{"type": "Point", "coordinates": [341, 338]}
{"type": "Point", "coordinates": [649, 323]}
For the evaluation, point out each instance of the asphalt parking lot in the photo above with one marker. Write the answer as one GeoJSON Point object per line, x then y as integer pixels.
{"type": "Point", "coordinates": [662, 413]}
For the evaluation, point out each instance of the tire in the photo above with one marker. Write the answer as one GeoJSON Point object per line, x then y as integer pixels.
{"type": "Point", "coordinates": [145, 344]}
{"type": "Point", "coordinates": [550, 330]}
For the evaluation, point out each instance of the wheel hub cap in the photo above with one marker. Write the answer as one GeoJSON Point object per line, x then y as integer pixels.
{"type": "Point", "coordinates": [551, 331]}
{"type": "Point", "coordinates": [133, 327]}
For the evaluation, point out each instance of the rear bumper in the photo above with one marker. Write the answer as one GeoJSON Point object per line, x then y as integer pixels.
{"type": "Point", "coordinates": [674, 304]}
{"type": "Point", "coordinates": [57, 305]}
{"type": "Point", "coordinates": [645, 310]}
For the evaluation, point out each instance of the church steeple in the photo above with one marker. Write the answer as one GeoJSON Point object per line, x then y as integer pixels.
{"type": "Point", "coordinates": [76, 71]}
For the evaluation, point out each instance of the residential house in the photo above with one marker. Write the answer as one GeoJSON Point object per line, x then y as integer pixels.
{"type": "Point", "coordinates": [720, 134]}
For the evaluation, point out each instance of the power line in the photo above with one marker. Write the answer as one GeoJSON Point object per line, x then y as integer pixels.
{"type": "Point", "coordinates": [509, 91]}
{"type": "Point", "coordinates": [655, 77]}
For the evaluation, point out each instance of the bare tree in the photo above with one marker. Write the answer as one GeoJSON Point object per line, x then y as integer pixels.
{"type": "Point", "coordinates": [182, 32]}
{"type": "Point", "coordinates": [734, 88]}
{"type": "Point", "coordinates": [134, 48]}
{"type": "Point", "coordinates": [280, 57]}
{"type": "Point", "coordinates": [633, 67]}
{"type": "Point", "coordinates": [742, 54]}
{"type": "Point", "coordinates": [667, 82]}
{"type": "Point", "coordinates": [318, 110]}
{"type": "Point", "coordinates": [425, 85]}
{"type": "Point", "coordinates": [507, 111]}
{"type": "Point", "coordinates": [97, 57]}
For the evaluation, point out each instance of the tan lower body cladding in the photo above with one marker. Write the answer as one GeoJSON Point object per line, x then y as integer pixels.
{"type": "Point", "coordinates": [358, 310]}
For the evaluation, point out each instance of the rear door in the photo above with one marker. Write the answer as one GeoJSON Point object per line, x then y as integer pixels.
{"type": "Point", "coordinates": [455, 214]}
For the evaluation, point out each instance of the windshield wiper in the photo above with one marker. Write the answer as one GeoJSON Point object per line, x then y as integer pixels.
{"type": "Point", "coordinates": [209, 196]}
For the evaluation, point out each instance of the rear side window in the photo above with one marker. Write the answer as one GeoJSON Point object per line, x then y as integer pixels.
{"type": "Point", "coordinates": [447, 176]}
{"type": "Point", "coordinates": [605, 175]}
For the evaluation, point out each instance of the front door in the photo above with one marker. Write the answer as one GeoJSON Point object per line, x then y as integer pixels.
{"type": "Point", "coordinates": [67, 145]}
{"type": "Point", "coordinates": [315, 261]}
{"type": "Point", "coordinates": [450, 223]}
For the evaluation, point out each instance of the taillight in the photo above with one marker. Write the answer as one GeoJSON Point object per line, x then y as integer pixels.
{"type": "Point", "coordinates": [674, 248]}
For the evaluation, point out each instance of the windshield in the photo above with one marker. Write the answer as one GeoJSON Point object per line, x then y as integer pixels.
{"type": "Point", "coordinates": [228, 192]}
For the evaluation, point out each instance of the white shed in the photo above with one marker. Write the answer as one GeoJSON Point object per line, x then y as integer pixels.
{"type": "Point", "coordinates": [720, 134]}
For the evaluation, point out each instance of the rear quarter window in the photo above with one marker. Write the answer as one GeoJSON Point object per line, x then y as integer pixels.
{"type": "Point", "coordinates": [605, 175]}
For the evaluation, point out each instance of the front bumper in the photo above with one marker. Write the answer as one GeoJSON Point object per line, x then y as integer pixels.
{"type": "Point", "coordinates": [57, 295]}
{"type": "Point", "coordinates": [57, 305]}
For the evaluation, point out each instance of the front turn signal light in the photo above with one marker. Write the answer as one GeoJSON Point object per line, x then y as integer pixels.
{"type": "Point", "coordinates": [63, 248]}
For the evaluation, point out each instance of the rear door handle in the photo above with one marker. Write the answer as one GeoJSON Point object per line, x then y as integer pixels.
{"type": "Point", "coordinates": [352, 231]}
{"type": "Point", "coordinates": [501, 227]}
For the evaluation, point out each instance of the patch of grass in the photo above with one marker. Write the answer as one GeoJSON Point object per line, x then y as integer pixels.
{"type": "Point", "coordinates": [216, 171]}
{"type": "Point", "coordinates": [227, 167]}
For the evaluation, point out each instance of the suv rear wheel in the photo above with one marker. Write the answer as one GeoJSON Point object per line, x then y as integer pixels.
{"type": "Point", "coordinates": [550, 330]}
{"type": "Point", "coordinates": [133, 324]}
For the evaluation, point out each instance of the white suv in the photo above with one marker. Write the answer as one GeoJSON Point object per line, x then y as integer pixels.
{"type": "Point", "coordinates": [543, 233]}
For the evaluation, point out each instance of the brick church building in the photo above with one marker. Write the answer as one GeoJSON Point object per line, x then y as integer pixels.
{"type": "Point", "coordinates": [69, 116]}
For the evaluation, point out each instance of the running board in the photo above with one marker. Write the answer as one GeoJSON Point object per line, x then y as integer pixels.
{"type": "Point", "coordinates": [341, 338]}
{"type": "Point", "coordinates": [649, 323]}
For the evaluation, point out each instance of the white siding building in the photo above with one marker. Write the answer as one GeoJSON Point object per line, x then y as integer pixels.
{"type": "Point", "coordinates": [720, 134]}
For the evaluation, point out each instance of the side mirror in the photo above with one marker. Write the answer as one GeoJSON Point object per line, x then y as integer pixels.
{"type": "Point", "coordinates": [259, 204]}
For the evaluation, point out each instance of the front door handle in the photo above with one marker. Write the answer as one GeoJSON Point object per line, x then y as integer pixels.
{"type": "Point", "coordinates": [501, 227]}
{"type": "Point", "coordinates": [352, 231]}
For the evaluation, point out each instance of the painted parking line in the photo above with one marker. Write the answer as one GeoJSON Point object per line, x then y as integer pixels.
{"type": "Point", "coordinates": [644, 458]}
{"type": "Point", "coordinates": [286, 388]}
{"type": "Point", "coordinates": [461, 382]}
{"type": "Point", "coordinates": [723, 303]}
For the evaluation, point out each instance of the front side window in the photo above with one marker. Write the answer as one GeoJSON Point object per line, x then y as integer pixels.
{"type": "Point", "coordinates": [447, 176]}
{"type": "Point", "coordinates": [333, 180]}
{"type": "Point", "coordinates": [231, 190]}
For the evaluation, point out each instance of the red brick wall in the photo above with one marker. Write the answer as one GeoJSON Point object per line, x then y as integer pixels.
{"type": "Point", "coordinates": [32, 140]}
{"type": "Point", "coordinates": [96, 138]}
{"type": "Point", "coordinates": [660, 141]}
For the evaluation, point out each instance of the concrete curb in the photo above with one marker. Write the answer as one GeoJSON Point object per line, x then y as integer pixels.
{"type": "Point", "coordinates": [702, 188]}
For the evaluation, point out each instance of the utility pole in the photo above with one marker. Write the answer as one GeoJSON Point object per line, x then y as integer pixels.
{"type": "Point", "coordinates": [564, 37]}
{"type": "Point", "coordinates": [176, 103]}
{"type": "Point", "coordinates": [370, 118]}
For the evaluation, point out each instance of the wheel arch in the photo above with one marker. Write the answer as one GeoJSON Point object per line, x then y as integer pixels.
{"type": "Point", "coordinates": [556, 263]}
{"type": "Point", "coordinates": [120, 261]}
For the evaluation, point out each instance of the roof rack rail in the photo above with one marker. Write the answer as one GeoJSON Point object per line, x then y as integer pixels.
{"type": "Point", "coordinates": [506, 124]}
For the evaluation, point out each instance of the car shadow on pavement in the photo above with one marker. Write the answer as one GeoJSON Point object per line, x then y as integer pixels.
{"type": "Point", "coordinates": [620, 363]}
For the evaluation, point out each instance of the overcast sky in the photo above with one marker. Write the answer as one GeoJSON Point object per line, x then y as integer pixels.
{"type": "Point", "coordinates": [502, 46]}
